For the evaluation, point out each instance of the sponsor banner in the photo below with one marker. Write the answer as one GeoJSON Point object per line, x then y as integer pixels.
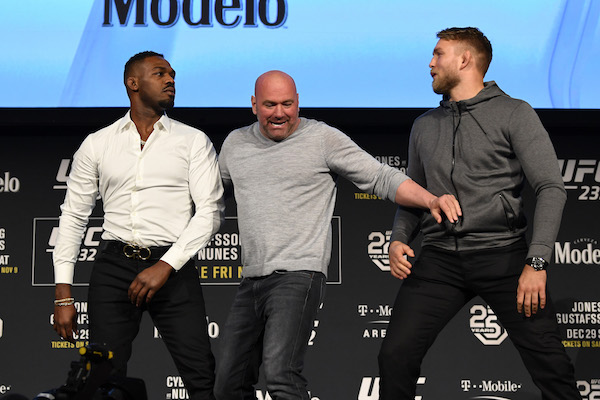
{"type": "Point", "coordinates": [45, 231]}
{"type": "Point", "coordinates": [6, 268]}
{"type": "Point", "coordinates": [378, 249]}
{"type": "Point", "coordinates": [589, 390]}
{"type": "Point", "coordinates": [485, 325]}
{"type": "Point", "coordinates": [220, 261]}
{"type": "Point", "coordinates": [490, 389]}
{"type": "Point", "coordinates": [62, 174]}
{"type": "Point", "coordinates": [4, 388]}
{"type": "Point", "coordinates": [581, 324]}
{"type": "Point", "coordinates": [369, 388]}
{"type": "Point", "coordinates": [576, 256]}
{"type": "Point", "coordinates": [376, 319]}
{"type": "Point", "coordinates": [582, 251]}
{"type": "Point", "coordinates": [9, 183]}
{"type": "Point", "coordinates": [581, 178]}
{"type": "Point", "coordinates": [84, 43]}
{"type": "Point", "coordinates": [175, 388]}
{"type": "Point", "coordinates": [198, 13]}
{"type": "Point", "coordinates": [366, 196]}
{"type": "Point", "coordinates": [393, 161]}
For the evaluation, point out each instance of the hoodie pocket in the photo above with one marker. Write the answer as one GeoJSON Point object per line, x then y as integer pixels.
{"type": "Point", "coordinates": [509, 212]}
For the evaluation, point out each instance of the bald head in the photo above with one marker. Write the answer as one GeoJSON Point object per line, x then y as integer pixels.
{"type": "Point", "coordinates": [272, 78]}
{"type": "Point", "coordinates": [275, 104]}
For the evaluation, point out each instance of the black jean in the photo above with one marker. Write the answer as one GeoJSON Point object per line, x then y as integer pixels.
{"type": "Point", "coordinates": [177, 310]}
{"type": "Point", "coordinates": [442, 282]}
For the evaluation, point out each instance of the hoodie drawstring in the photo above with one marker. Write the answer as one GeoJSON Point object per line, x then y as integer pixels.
{"type": "Point", "coordinates": [460, 107]}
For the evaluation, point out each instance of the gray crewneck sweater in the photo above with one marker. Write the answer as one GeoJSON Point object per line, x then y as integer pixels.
{"type": "Point", "coordinates": [285, 192]}
{"type": "Point", "coordinates": [481, 150]}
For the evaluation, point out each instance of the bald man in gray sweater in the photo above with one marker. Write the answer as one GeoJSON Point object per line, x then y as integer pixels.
{"type": "Point", "coordinates": [283, 172]}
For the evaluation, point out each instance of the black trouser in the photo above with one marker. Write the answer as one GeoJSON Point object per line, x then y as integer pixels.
{"type": "Point", "coordinates": [441, 283]}
{"type": "Point", "coordinates": [177, 311]}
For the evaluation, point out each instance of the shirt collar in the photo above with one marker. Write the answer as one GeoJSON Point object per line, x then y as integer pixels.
{"type": "Point", "coordinates": [163, 124]}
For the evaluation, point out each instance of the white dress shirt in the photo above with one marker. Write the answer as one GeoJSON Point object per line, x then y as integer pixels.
{"type": "Point", "coordinates": [149, 195]}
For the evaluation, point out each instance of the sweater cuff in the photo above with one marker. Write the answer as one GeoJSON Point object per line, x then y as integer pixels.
{"type": "Point", "coordinates": [398, 237]}
{"type": "Point", "coordinates": [540, 250]}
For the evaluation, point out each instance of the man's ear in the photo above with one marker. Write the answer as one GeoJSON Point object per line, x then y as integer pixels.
{"type": "Point", "coordinates": [466, 58]}
{"type": "Point", "coordinates": [253, 100]}
{"type": "Point", "coordinates": [132, 84]}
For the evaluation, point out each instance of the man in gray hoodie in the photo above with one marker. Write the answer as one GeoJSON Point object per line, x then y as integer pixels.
{"type": "Point", "coordinates": [479, 145]}
{"type": "Point", "coordinates": [283, 171]}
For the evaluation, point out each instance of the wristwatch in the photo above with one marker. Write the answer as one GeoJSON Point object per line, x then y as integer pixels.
{"type": "Point", "coordinates": [538, 263]}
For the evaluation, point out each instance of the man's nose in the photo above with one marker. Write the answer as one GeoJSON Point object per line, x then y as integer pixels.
{"type": "Point", "coordinates": [278, 112]}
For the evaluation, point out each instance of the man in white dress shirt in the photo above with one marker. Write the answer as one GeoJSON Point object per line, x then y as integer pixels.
{"type": "Point", "coordinates": [162, 202]}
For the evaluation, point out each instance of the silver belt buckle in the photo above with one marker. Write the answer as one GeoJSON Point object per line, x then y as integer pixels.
{"type": "Point", "coordinates": [133, 251]}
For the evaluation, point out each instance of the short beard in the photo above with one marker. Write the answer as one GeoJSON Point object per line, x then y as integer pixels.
{"type": "Point", "coordinates": [444, 86]}
{"type": "Point", "coordinates": [167, 104]}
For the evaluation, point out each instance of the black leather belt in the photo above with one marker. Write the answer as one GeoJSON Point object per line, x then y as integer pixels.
{"type": "Point", "coordinates": [134, 251]}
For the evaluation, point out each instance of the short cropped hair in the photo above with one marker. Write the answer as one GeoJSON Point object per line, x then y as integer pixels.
{"type": "Point", "coordinates": [136, 59]}
{"type": "Point", "coordinates": [475, 39]}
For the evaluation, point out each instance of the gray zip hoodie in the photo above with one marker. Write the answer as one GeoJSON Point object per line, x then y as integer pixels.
{"type": "Point", "coordinates": [481, 150]}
